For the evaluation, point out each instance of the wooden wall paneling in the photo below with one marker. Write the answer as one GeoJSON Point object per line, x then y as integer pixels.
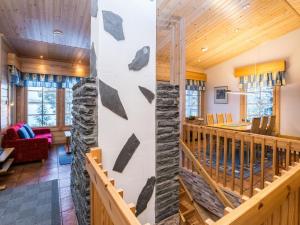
{"type": "Point", "coordinates": [20, 104]}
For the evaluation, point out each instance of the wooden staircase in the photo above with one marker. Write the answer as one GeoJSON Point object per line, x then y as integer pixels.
{"type": "Point", "coordinates": [190, 212]}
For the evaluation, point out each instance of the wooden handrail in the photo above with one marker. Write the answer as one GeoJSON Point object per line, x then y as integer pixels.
{"type": "Point", "coordinates": [213, 185]}
{"type": "Point", "coordinates": [278, 202]}
{"type": "Point", "coordinates": [104, 193]}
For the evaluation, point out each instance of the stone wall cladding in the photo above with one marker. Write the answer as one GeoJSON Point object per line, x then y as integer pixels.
{"type": "Point", "coordinates": [203, 195]}
{"type": "Point", "coordinates": [84, 135]}
{"type": "Point", "coordinates": [167, 151]}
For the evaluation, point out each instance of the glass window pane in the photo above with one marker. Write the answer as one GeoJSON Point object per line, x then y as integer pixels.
{"type": "Point", "coordinates": [49, 120]}
{"type": "Point", "coordinates": [68, 106]}
{"type": "Point", "coordinates": [49, 108]}
{"type": "Point", "coordinates": [68, 119]}
{"type": "Point", "coordinates": [35, 121]}
{"type": "Point", "coordinates": [192, 103]}
{"type": "Point", "coordinates": [34, 96]}
{"type": "Point", "coordinates": [35, 108]}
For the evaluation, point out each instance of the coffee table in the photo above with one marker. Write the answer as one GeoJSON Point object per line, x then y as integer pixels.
{"type": "Point", "coordinates": [5, 163]}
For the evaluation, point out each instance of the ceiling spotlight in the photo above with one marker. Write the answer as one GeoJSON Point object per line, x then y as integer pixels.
{"type": "Point", "coordinates": [57, 32]}
{"type": "Point", "coordinates": [247, 6]}
{"type": "Point", "coordinates": [205, 49]}
{"type": "Point", "coordinates": [236, 30]}
{"type": "Point", "coordinates": [41, 57]}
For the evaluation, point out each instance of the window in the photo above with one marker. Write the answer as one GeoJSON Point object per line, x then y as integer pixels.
{"type": "Point", "coordinates": [4, 103]}
{"type": "Point", "coordinates": [192, 103]}
{"type": "Point", "coordinates": [41, 106]}
{"type": "Point", "coordinates": [259, 102]}
{"type": "Point", "coordinates": [68, 106]}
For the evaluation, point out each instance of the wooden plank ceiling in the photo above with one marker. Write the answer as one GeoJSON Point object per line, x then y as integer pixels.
{"type": "Point", "coordinates": [226, 28]}
{"type": "Point", "coordinates": [28, 25]}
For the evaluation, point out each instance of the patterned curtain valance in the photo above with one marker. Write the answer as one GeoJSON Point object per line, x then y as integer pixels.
{"type": "Point", "coordinates": [195, 85]}
{"type": "Point", "coordinates": [263, 80]}
{"type": "Point", "coordinates": [40, 80]}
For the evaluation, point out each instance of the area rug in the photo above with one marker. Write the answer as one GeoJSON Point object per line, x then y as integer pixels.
{"type": "Point", "coordinates": [64, 158]}
{"type": "Point", "coordinates": [36, 204]}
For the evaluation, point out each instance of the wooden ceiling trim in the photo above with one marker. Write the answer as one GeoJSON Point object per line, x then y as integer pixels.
{"type": "Point", "coordinates": [260, 68]}
{"type": "Point", "coordinates": [295, 5]}
{"type": "Point", "coordinates": [27, 65]}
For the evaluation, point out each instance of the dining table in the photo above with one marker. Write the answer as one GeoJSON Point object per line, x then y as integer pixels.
{"type": "Point", "coordinates": [242, 127]}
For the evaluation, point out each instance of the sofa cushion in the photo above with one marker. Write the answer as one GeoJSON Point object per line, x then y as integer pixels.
{"type": "Point", "coordinates": [29, 130]}
{"type": "Point", "coordinates": [48, 136]}
{"type": "Point", "coordinates": [12, 133]}
{"type": "Point", "coordinates": [23, 133]}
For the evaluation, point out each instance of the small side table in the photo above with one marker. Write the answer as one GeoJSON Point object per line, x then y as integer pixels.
{"type": "Point", "coordinates": [5, 163]}
{"type": "Point", "coordinates": [68, 139]}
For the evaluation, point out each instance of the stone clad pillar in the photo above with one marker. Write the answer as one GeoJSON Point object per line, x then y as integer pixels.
{"type": "Point", "coordinates": [123, 49]}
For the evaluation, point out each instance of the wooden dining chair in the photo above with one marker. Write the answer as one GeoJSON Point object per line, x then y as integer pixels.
{"type": "Point", "coordinates": [263, 125]}
{"type": "Point", "coordinates": [255, 125]}
{"type": "Point", "coordinates": [210, 119]}
{"type": "Point", "coordinates": [271, 125]}
{"type": "Point", "coordinates": [220, 118]}
{"type": "Point", "coordinates": [228, 118]}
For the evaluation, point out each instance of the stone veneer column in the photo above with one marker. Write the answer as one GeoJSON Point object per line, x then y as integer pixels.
{"type": "Point", "coordinates": [167, 153]}
{"type": "Point", "coordinates": [84, 136]}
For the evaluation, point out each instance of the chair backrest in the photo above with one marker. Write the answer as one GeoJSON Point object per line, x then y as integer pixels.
{"type": "Point", "coordinates": [271, 125]}
{"type": "Point", "coordinates": [220, 118]}
{"type": "Point", "coordinates": [210, 119]}
{"type": "Point", "coordinates": [228, 118]}
{"type": "Point", "coordinates": [263, 125]}
{"type": "Point", "coordinates": [255, 125]}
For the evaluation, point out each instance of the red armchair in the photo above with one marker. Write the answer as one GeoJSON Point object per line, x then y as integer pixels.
{"type": "Point", "coordinates": [28, 150]}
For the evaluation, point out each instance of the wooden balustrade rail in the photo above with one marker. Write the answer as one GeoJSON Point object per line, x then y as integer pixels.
{"type": "Point", "coordinates": [260, 157]}
{"type": "Point", "coordinates": [278, 203]}
{"type": "Point", "coordinates": [189, 159]}
{"type": "Point", "coordinates": [107, 204]}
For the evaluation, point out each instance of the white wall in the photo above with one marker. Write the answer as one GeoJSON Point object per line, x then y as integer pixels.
{"type": "Point", "coordinates": [113, 57]}
{"type": "Point", "coordinates": [286, 47]}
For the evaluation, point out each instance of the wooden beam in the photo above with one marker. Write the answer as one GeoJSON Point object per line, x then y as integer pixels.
{"type": "Point", "coordinates": [196, 76]}
{"type": "Point", "coordinates": [260, 68]}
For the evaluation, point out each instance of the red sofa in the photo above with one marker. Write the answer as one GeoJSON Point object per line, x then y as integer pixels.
{"type": "Point", "coordinates": [28, 150]}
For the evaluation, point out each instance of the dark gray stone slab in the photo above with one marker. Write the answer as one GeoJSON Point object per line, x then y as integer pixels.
{"type": "Point", "coordinates": [147, 93]}
{"type": "Point", "coordinates": [94, 8]}
{"type": "Point", "coordinates": [111, 100]}
{"type": "Point", "coordinates": [126, 153]}
{"type": "Point", "coordinates": [141, 59]}
{"type": "Point", "coordinates": [113, 24]}
{"type": "Point", "coordinates": [93, 61]}
{"type": "Point", "coordinates": [145, 196]}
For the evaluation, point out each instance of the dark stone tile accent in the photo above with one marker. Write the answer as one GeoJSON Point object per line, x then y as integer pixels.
{"type": "Point", "coordinates": [94, 8]}
{"type": "Point", "coordinates": [113, 24]}
{"type": "Point", "coordinates": [203, 194]}
{"type": "Point", "coordinates": [167, 151]}
{"type": "Point", "coordinates": [93, 61]}
{"type": "Point", "coordinates": [84, 135]}
{"type": "Point", "coordinates": [145, 196]}
{"type": "Point", "coordinates": [147, 93]}
{"type": "Point", "coordinates": [111, 100]}
{"type": "Point", "coordinates": [126, 153]}
{"type": "Point", "coordinates": [141, 59]}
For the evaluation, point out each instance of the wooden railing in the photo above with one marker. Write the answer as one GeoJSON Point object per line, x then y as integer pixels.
{"type": "Point", "coordinates": [239, 161]}
{"type": "Point", "coordinates": [278, 203]}
{"type": "Point", "coordinates": [107, 204]}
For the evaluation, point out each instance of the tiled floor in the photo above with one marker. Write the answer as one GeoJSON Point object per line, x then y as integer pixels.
{"type": "Point", "coordinates": [34, 173]}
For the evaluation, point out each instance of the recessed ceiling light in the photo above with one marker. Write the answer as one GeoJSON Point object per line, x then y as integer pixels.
{"type": "Point", "coordinates": [247, 6]}
{"type": "Point", "coordinates": [205, 49]}
{"type": "Point", "coordinates": [41, 57]}
{"type": "Point", "coordinates": [236, 30]}
{"type": "Point", "coordinates": [57, 32]}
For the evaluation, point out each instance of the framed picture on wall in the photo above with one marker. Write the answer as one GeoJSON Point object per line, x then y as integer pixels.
{"type": "Point", "coordinates": [221, 95]}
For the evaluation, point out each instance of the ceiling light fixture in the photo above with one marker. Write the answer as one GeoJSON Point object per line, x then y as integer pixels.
{"type": "Point", "coordinates": [205, 49]}
{"type": "Point", "coordinates": [41, 57]}
{"type": "Point", "coordinates": [236, 30]}
{"type": "Point", "coordinates": [57, 32]}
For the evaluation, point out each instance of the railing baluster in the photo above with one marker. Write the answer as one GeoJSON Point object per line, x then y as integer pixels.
{"type": "Point", "coordinates": [275, 164]}
{"type": "Point", "coordinates": [199, 144]}
{"type": "Point", "coordinates": [251, 166]}
{"type": "Point", "coordinates": [217, 156]}
{"type": "Point", "coordinates": [233, 163]}
{"type": "Point", "coordinates": [242, 167]}
{"type": "Point", "coordinates": [225, 159]}
{"type": "Point", "coordinates": [287, 155]}
{"type": "Point", "coordinates": [262, 165]}
{"type": "Point", "coordinates": [204, 148]}
{"type": "Point", "coordinates": [210, 151]}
